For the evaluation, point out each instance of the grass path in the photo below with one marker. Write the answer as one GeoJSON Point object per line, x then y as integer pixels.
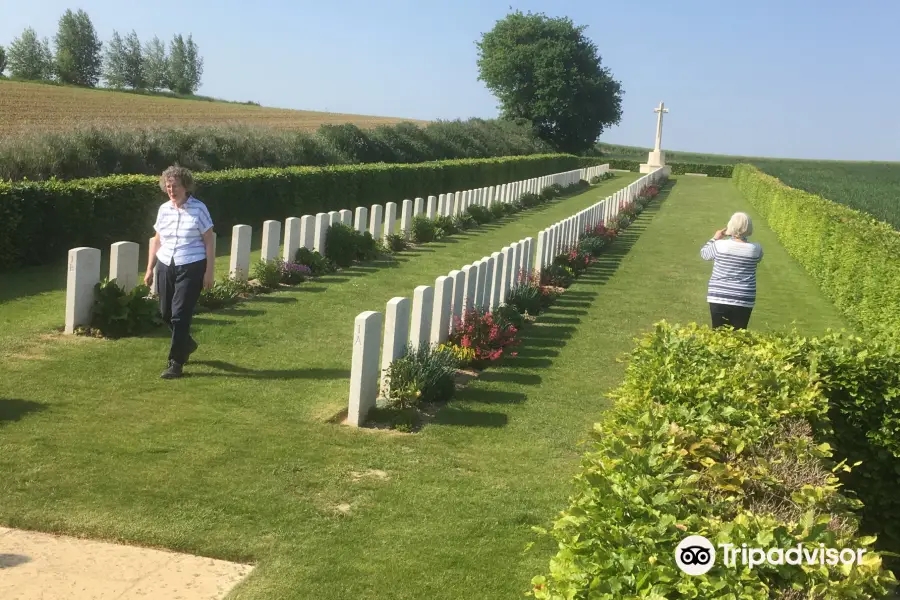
{"type": "Point", "coordinates": [236, 463]}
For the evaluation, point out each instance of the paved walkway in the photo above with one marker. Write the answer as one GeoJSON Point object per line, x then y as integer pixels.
{"type": "Point", "coordinates": [41, 566]}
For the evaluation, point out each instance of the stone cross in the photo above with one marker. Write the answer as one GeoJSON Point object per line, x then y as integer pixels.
{"type": "Point", "coordinates": [659, 110]}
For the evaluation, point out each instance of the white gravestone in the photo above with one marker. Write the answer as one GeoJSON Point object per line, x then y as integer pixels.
{"type": "Point", "coordinates": [528, 264]}
{"type": "Point", "coordinates": [481, 268]}
{"type": "Point", "coordinates": [422, 308]}
{"type": "Point", "coordinates": [291, 238]}
{"type": "Point", "coordinates": [540, 258]}
{"type": "Point", "coordinates": [390, 218]}
{"type": "Point", "coordinates": [240, 252]}
{"type": "Point", "coordinates": [470, 277]}
{"type": "Point", "coordinates": [418, 207]}
{"type": "Point", "coordinates": [440, 316]}
{"type": "Point", "coordinates": [271, 235]}
{"type": "Point", "coordinates": [497, 279]}
{"type": "Point", "coordinates": [323, 222]}
{"type": "Point", "coordinates": [516, 263]}
{"type": "Point", "coordinates": [361, 222]}
{"type": "Point", "coordinates": [308, 231]}
{"type": "Point", "coordinates": [488, 272]}
{"type": "Point", "coordinates": [396, 334]}
{"type": "Point", "coordinates": [123, 264]}
{"type": "Point", "coordinates": [508, 268]}
{"type": "Point", "coordinates": [459, 283]}
{"type": "Point", "coordinates": [346, 217]}
{"type": "Point", "coordinates": [431, 208]}
{"type": "Point", "coordinates": [375, 221]}
{"type": "Point", "coordinates": [364, 367]}
{"type": "Point", "coordinates": [334, 217]}
{"type": "Point", "coordinates": [406, 218]}
{"type": "Point", "coordinates": [451, 204]}
{"type": "Point", "coordinates": [442, 205]}
{"type": "Point", "coordinates": [82, 275]}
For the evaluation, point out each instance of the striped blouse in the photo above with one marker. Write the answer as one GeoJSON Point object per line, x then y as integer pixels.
{"type": "Point", "coordinates": [181, 232]}
{"type": "Point", "coordinates": [733, 280]}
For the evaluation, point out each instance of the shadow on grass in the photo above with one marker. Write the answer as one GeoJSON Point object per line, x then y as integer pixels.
{"type": "Point", "coordinates": [451, 415]}
{"type": "Point", "coordinates": [231, 370]}
{"type": "Point", "coordinates": [274, 299]}
{"type": "Point", "coordinates": [12, 409]}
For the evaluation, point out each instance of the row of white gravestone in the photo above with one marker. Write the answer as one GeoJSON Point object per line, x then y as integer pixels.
{"type": "Point", "coordinates": [307, 231]}
{"type": "Point", "coordinates": [430, 319]}
{"type": "Point", "coordinates": [485, 284]}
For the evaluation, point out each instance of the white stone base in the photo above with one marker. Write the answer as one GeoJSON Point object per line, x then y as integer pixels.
{"type": "Point", "coordinates": [655, 160]}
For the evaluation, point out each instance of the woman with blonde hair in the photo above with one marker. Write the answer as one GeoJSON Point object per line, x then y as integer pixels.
{"type": "Point", "coordinates": [183, 257]}
{"type": "Point", "coordinates": [732, 287]}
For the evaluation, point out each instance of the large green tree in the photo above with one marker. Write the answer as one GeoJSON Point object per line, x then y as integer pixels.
{"type": "Point", "coordinates": [78, 48]}
{"type": "Point", "coordinates": [546, 71]}
{"type": "Point", "coordinates": [29, 57]}
{"type": "Point", "coordinates": [185, 65]}
{"type": "Point", "coordinates": [156, 65]}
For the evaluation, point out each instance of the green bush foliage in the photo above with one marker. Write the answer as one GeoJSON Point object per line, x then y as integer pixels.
{"type": "Point", "coordinates": [41, 221]}
{"type": "Point", "coordinates": [117, 313]}
{"type": "Point", "coordinates": [424, 230]}
{"type": "Point", "coordinates": [507, 315]}
{"type": "Point", "coordinates": [344, 245]}
{"type": "Point", "coordinates": [318, 264]}
{"type": "Point", "coordinates": [395, 243]}
{"type": "Point", "coordinates": [480, 215]}
{"type": "Point", "coordinates": [677, 168]}
{"type": "Point", "coordinates": [720, 434]}
{"type": "Point", "coordinates": [100, 152]}
{"type": "Point", "coordinates": [225, 292]}
{"type": "Point", "coordinates": [422, 375]}
{"type": "Point", "coordinates": [445, 225]}
{"type": "Point", "coordinates": [498, 210]}
{"type": "Point", "coordinates": [854, 258]}
{"type": "Point", "coordinates": [528, 296]}
{"type": "Point", "coordinates": [464, 221]}
{"type": "Point", "coordinates": [268, 274]}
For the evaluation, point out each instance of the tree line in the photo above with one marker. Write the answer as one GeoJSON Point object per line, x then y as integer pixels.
{"type": "Point", "coordinates": [81, 59]}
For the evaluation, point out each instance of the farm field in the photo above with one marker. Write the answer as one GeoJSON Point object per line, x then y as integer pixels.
{"type": "Point", "coordinates": [872, 187]}
{"type": "Point", "coordinates": [34, 107]}
{"type": "Point", "coordinates": [238, 462]}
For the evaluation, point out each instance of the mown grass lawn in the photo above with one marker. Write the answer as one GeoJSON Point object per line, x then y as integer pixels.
{"type": "Point", "coordinates": [237, 461]}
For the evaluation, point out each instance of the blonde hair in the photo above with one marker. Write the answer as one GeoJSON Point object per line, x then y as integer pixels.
{"type": "Point", "coordinates": [179, 174]}
{"type": "Point", "coordinates": [739, 225]}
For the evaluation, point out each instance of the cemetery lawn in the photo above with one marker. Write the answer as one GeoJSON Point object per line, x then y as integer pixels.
{"type": "Point", "coordinates": [237, 461]}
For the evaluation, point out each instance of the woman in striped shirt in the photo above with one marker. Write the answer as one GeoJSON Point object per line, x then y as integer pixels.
{"type": "Point", "coordinates": [732, 287]}
{"type": "Point", "coordinates": [183, 257]}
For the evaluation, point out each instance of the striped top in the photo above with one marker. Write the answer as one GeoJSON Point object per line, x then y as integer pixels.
{"type": "Point", "coordinates": [733, 278]}
{"type": "Point", "coordinates": [181, 232]}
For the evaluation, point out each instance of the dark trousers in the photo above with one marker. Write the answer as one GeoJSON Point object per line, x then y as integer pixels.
{"type": "Point", "coordinates": [725, 314]}
{"type": "Point", "coordinates": [179, 289]}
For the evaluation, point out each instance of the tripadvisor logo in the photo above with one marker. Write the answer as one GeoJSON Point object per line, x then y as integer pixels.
{"type": "Point", "coordinates": [696, 555]}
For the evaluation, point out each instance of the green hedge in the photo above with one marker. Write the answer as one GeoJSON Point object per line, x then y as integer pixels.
{"type": "Point", "coordinates": [720, 434]}
{"type": "Point", "coordinates": [677, 168]}
{"type": "Point", "coordinates": [854, 258]}
{"type": "Point", "coordinates": [41, 221]}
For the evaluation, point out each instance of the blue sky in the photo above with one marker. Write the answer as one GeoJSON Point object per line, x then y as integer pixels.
{"type": "Point", "coordinates": [792, 78]}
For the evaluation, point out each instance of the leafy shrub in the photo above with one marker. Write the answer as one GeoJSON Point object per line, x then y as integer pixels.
{"type": "Point", "coordinates": [225, 292]}
{"type": "Point", "coordinates": [480, 215]}
{"type": "Point", "coordinates": [507, 315]}
{"type": "Point", "coordinates": [395, 243]}
{"type": "Point", "coordinates": [602, 177]}
{"type": "Point", "coordinates": [268, 274]}
{"type": "Point", "coordinates": [498, 209]}
{"type": "Point", "coordinates": [39, 222]}
{"type": "Point", "coordinates": [463, 356]}
{"type": "Point", "coordinates": [478, 330]}
{"type": "Point", "coordinates": [423, 230]}
{"type": "Point", "coordinates": [576, 260]}
{"type": "Point", "coordinates": [292, 273]}
{"type": "Point", "coordinates": [530, 200]}
{"type": "Point", "coordinates": [344, 245]}
{"type": "Point", "coordinates": [117, 313]}
{"type": "Point", "coordinates": [422, 375]}
{"type": "Point", "coordinates": [528, 296]}
{"type": "Point", "coordinates": [854, 259]}
{"type": "Point", "coordinates": [464, 221]}
{"type": "Point", "coordinates": [712, 433]}
{"type": "Point", "coordinates": [445, 225]}
{"type": "Point", "coordinates": [558, 275]}
{"type": "Point", "coordinates": [318, 264]}
{"type": "Point", "coordinates": [592, 245]}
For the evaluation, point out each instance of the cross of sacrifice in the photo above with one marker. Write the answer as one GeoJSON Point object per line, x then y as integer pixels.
{"type": "Point", "coordinates": [659, 110]}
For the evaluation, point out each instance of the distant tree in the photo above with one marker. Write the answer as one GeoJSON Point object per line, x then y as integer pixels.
{"type": "Point", "coordinates": [134, 62]}
{"type": "Point", "coordinates": [185, 65]}
{"type": "Point", "coordinates": [2, 60]}
{"type": "Point", "coordinates": [78, 58]}
{"type": "Point", "coordinates": [156, 65]}
{"type": "Point", "coordinates": [546, 71]}
{"type": "Point", "coordinates": [114, 62]}
{"type": "Point", "coordinates": [29, 57]}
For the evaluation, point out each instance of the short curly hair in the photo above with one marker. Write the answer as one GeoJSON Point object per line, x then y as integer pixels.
{"type": "Point", "coordinates": [180, 174]}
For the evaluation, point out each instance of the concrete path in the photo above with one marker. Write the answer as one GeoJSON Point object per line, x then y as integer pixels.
{"type": "Point", "coordinates": [41, 566]}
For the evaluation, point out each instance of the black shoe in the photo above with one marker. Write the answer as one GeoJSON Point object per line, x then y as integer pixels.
{"type": "Point", "coordinates": [173, 371]}
{"type": "Point", "coordinates": [192, 347]}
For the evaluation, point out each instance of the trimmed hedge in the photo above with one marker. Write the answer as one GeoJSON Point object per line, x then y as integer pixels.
{"type": "Point", "coordinates": [719, 433]}
{"type": "Point", "coordinates": [677, 168]}
{"type": "Point", "coordinates": [41, 221]}
{"type": "Point", "coordinates": [854, 258]}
